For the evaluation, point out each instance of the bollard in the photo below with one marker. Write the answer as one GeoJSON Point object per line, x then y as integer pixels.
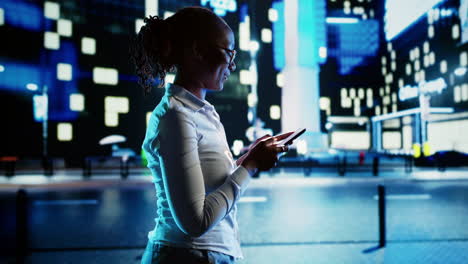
{"type": "Point", "coordinates": [21, 225]}
{"type": "Point", "coordinates": [382, 229]}
{"type": "Point", "coordinates": [375, 166]}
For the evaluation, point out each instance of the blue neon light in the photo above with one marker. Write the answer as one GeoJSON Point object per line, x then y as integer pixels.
{"type": "Point", "coordinates": [401, 14]}
{"type": "Point", "coordinates": [22, 15]}
{"type": "Point", "coordinates": [220, 7]}
{"type": "Point", "coordinates": [312, 31]}
{"type": "Point", "coordinates": [278, 36]}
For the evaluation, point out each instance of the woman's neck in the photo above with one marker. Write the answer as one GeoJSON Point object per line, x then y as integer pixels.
{"type": "Point", "coordinates": [192, 85]}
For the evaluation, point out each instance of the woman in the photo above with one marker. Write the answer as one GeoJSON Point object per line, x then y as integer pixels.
{"type": "Point", "coordinates": [196, 179]}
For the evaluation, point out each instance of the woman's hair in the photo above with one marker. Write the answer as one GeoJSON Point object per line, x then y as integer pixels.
{"type": "Point", "coordinates": [161, 43]}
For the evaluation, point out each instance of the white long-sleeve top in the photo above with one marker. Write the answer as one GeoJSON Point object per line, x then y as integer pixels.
{"type": "Point", "coordinates": [196, 179]}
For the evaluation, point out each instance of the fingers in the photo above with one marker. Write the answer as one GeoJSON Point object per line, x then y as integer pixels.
{"type": "Point", "coordinates": [284, 135]}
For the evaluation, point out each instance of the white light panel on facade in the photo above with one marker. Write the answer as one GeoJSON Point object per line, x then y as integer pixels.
{"type": "Point", "coordinates": [64, 72]}
{"type": "Point", "coordinates": [272, 15]}
{"type": "Point", "coordinates": [111, 119]}
{"type": "Point", "coordinates": [245, 77]}
{"type": "Point", "coordinates": [151, 7]}
{"type": "Point", "coordinates": [51, 10]}
{"type": "Point", "coordinates": [252, 99]}
{"type": "Point", "coordinates": [464, 92]}
{"type": "Point", "coordinates": [2, 16]}
{"type": "Point", "coordinates": [266, 35]}
{"type": "Point", "coordinates": [88, 46]}
{"type": "Point", "coordinates": [426, 47]}
{"type": "Point", "coordinates": [51, 40]}
{"type": "Point", "coordinates": [401, 14]}
{"type": "Point", "coordinates": [244, 34]}
{"type": "Point", "coordinates": [464, 59]}
{"type": "Point", "coordinates": [77, 102]}
{"type": "Point", "coordinates": [64, 27]}
{"type": "Point", "coordinates": [455, 31]}
{"type": "Point", "coordinates": [279, 79]}
{"type": "Point", "coordinates": [430, 31]}
{"type": "Point", "coordinates": [64, 132]}
{"type": "Point", "coordinates": [108, 76]}
{"type": "Point", "coordinates": [275, 112]}
{"type": "Point", "coordinates": [138, 24]}
{"type": "Point", "coordinates": [116, 104]}
{"type": "Point", "coordinates": [408, 69]}
{"type": "Point", "coordinates": [457, 94]}
{"type": "Point", "coordinates": [443, 66]}
{"type": "Point", "coordinates": [432, 58]}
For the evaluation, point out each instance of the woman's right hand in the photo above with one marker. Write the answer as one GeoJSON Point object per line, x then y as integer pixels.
{"type": "Point", "coordinates": [263, 155]}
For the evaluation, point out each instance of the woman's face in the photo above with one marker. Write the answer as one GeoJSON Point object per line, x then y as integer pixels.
{"type": "Point", "coordinates": [216, 75]}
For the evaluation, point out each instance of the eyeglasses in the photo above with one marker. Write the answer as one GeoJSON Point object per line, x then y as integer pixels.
{"type": "Point", "coordinates": [232, 54]}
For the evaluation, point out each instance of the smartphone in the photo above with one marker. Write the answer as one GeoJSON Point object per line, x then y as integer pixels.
{"type": "Point", "coordinates": [291, 137]}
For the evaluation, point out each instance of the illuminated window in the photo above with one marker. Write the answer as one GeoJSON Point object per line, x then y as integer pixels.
{"type": "Point", "coordinates": [275, 112]}
{"type": "Point", "coordinates": [279, 80]}
{"type": "Point", "coordinates": [51, 40]}
{"type": "Point", "coordinates": [391, 140]}
{"type": "Point", "coordinates": [384, 70]}
{"type": "Point", "coordinates": [266, 35]}
{"type": "Point", "coordinates": [457, 94]}
{"type": "Point", "coordinates": [361, 93]}
{"type": "Point", "coordinates": [411, 55]}
{"type": "Point", "coordinates": [245, 77]}
{"type": "Point", "coordinates": [416, 53]}
{"type": "Point", "coordinates": [324, 103]}
{"type": "Point", "coordinates": [64, 27]}
{"type": "Point", "coordinates": [443, 66]}
{"type": "Point", "coordinates": [393, 55]}
{"type": "Point", "coordinates": [77, 102]}
{"type": "Point", "coordinates": [148, 116]}
{"type": "Point", "coordinates": [432, 58]}
{"type": "Point", "coordinates": [2, 16]}
{"type": "Point", "coordinates": [377, 110]}
{"type": "Point", "coordinates": [464, 59]}
{"type": "Point", "coordinates": [272, 15]}
{"type": "Point", "coordinates": [116, 104]}
{"type": "Point", "coordinates": [343, 93]}
{"type": "Point", "coordinates": [384, 110]}
{"type": "Point", "coordinates": [389, 46]}
{"type": "Point", "coordinates": [408, 69]}
{"type": "Point", "coordinates": [394, 97]}
{"type": "Point", "coordinates": [352, 92]}
{"type": "Point", "coordinates": [252, 99]}
{"type": "Point", "coordinates": [381, 91]}
{"type": "Point", "coordinates": [357, 107]}
{"type": "Point", "coordinates": [417, 65]}
{"type": "Point", "coordinates": [113, 106]}
{"type": "Point", "coordinates": [151, 8]}
{"type": "Point", "coordinates": [416, 77]}
{"type": "Point", "coordinates": [51, 10]}
{"type": "Point", "coordinates": [455, 31]}
{"type": "Point", "coordinates": [401, 83]}
{"type": "Point", "coordinates": [111, 119]}
{"type": "Point", "coordinates": [138, 24]}
{"type": "Point", "coordinates": [394, 108]}
{"type": "Point", "coordinates": [64, 72]}
{"type": "Point", "coordinates": [32, 87]}
{"type": "Point", "coordinates": [464, 92]}
{"type": "Point", "coordinates": [244, 34]}
{"type": "Point", "coordinates": [384, 60]}
{"type": "Point", "coordinates": [426, 47]}
{"type": "Point", "coordinates": [393, 65]}
{"type": "Point", "coordinates": [88, 46]}
{"type": "Point", "coordinates": [426, 61]}
{"type": "Point", "coordinates": [107, 76]}
{"type": "Point", "coordinates": [386, 100]}
{"type": "Point", "coordinates": [64, 132]}
{"type": "Point", "coordinates": [422, 75]}
{"type": "Point", "coordinates": [387, 89]}
{"type": "Point", "coordinates": [430, 31]}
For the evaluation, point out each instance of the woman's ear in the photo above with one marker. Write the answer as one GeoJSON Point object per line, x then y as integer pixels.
{"type": "Point", "coordinates": [196, 51]}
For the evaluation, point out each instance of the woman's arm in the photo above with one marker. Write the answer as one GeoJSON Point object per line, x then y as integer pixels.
{"type": "Point", "coordinates": [193, 210]}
